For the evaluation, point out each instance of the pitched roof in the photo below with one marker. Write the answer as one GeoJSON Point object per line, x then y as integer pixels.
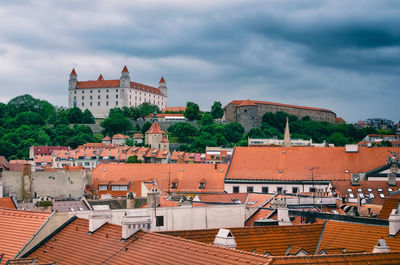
{"type": "Point", "coordinates": [293, 163]}
{"type": "Point", "coordinates": [155, 128]}
{"type": "Point", "coordinates": [8, 203]}
{"type": "Point", "coordinates": [4, 164]}
{"type": "Point", "coordinates": [106, 247]}
{"type": "Point", "coordinates": [272, 239]}
{"type": "Point", "coordinates": [187, 176]}
{"type": "Point", "coordinates": [254, 102]}
{"type": "Point", "coordinates": [100, 77]}
{"type": "Point", "coordinates": [73, 72]}
{"type": "Point", "coordinates": [388, 205]}
{"type": "Point", "coordinates": [162, 80]}
{"type": "Point", "coordinates": [125, 69]}
{"type": "Point", "coordinates": [223, 197]}
{"type": "Point", "coordinates": [120, 136]}
{"type": "Point", "coordinates": [346, 259]}
{"type": "Point", "coordinates": [356, 237]}
{"type": "Point", "coordinates": [16, 228]}
{"type": "Point", "coordinates": [164, 140]}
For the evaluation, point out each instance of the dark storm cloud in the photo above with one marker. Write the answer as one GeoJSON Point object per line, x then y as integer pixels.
{"type": "Point", "coordinates": [341, 55]}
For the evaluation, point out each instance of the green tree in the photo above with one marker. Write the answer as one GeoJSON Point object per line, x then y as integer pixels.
{"type": "Point", "coordinates": [133, 160]}
{"type": "Point", "coordinates": [116, 123]}
{"type": "Point", "coordinates": [29, 117]}
{"type": "Point", "coordinates": [233, 132]}
{"type": "Point", "coordinates": [87, 117]}
{"type": "Point", "coordinates": [147, 109]}
{"type": "Point", "coordinates": [75, 115]}
{"type": "Point", "coordinates": [206, 119]}
{"type": "Point", "coordinates": [338, 139]}
{"type": "Point", "coordinates": [146, 126]}
{"type": "Point", "coordinates": [192, 111]}
{"type": "Point", "coordinates": [216, 110]}
{"type": "Point", "coordinates": [182, 130]}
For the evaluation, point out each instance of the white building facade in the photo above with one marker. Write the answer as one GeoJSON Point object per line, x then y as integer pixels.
{"type": "Point", "coordinates": [99, 96]}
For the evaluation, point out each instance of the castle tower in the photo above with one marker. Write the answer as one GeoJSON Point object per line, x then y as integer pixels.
{"type": "Point", "coordinates": [286, 139]}
{"type": "Point", "coordinates": [155, 137]}
{"type": "Point", "coordinates": [125, 80]}
{"type": "Point", "coordinates": [162, 85]}
{"type": "Point", "coordinates": [73, 79]}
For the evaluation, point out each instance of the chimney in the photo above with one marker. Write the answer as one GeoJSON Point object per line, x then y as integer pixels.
{"type": "Point", "coordinates": [283, 216]}
{"type": "Point", "coordinates": [153, 198]}
{"type": "Point", "coordinates": [394, 222]}
{"type": "Point", "coordinates": [132, 224]}
{"type": "Point", "coordinates": [100, 215]}
{"type": "Point", "coordinates": [224, 238]}
{"type": "Point", "coordinates": [351, 148]}
{"type": "Point", "coordinates": [381, 247]}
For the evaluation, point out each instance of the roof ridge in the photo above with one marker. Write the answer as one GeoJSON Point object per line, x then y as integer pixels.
{"type": "Point", "coordinates": [205, 244]}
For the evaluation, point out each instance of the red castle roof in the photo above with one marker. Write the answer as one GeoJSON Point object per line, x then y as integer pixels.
{"type": "Point", "coordinates": [155, 128]}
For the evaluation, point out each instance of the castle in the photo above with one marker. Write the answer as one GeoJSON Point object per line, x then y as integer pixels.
{"type": "Point", "coordinates": [249, 112]}
{"type": "Point", "coordinates": [99, 96]}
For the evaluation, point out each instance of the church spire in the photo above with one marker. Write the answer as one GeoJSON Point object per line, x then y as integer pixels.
{"type": "Point", "coordinates": [286, 139]}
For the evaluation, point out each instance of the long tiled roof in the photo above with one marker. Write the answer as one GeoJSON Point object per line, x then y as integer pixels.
{"type": "Point", "coordinates": [388, 205]}
{"type": "Point", "coordinates": [7, 203]}
{"type": "Point", "coordinates": [293, 163]}
{"type": "Point", "coordinates": [344, 259]}
{"type": "Point", "coordinates": [272, 239]}
{"type": "Point", "coordinates": [74, 245]}
{"type": "Point", "coordinates": [254, 102]}
{"type": "Point", "coordinates": [187, 176]}
{"type": "Point", "coordinates": [114, 83]}
{"type": "Point", "coordinates": [16, 228]}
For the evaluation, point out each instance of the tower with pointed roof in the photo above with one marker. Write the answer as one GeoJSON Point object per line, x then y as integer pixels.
{"type": "Point", "coordinates": [73, 79]}
{"type": "Point", "coordinates": [155, 137]}
{"type": "Point", "coordinates": [162, 85]}
{"type": "Point", "coordinates": [286, 139]}
{"type": "Point", "coordinates": [125, 80]}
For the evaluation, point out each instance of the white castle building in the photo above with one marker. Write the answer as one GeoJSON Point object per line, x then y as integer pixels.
{"type": "Point", "coordinates": [99, 96]}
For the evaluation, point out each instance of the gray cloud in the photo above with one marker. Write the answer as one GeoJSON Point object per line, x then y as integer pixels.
{"type": "Point", "coordinates": [341, 55]}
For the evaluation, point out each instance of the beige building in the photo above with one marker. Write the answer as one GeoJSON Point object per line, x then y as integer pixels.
{"type": "Point", "coordinates": [155, 137]}
{"type": "Point", "coordinates": [99, 96]}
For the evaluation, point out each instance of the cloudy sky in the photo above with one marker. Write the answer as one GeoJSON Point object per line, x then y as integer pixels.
{"type": "Point", "coordinates": [341, 55]}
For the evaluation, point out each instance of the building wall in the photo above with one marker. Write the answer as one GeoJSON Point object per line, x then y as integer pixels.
{"type": "Point", "coordinates": [250, 116]}
{"type": "Point", "coordinates": [57, 184]}
{"type": "Point", "coordinates": [273, 188]}
{"type": "Point", "coordinates": [185, 217]}
{"type": "Point", "coordinates": [154, 140]}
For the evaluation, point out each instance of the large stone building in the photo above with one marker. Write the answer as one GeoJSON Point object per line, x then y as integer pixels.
{"type": "Point", "coordinates": [99, 96]}
{"type": "Point", "coordinates": [249, 112]}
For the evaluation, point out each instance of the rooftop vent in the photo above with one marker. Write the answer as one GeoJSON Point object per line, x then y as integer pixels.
{"type": "Point", "coordinates": [224, 238]}
{"type": "Point", "coordinates": [351, 148]}
{"type": "Point", "coordinates": [381, 247]}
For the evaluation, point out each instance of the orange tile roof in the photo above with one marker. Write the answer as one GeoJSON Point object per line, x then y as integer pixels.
{"type": "Point", "coordinates": [164, 140]}
{"type": "Point", "coordinates": [155, 128]}
{"type": "Point", "coordinates": [223, 197]}
{"type": "Point", "coordinates": [265, 163]}
{"type": "Point", "coordinates": [356, 237]}
{"type": "Point", "coordinates": [254, 102]}
{"type": "Point", "coordinates": [163, 115]}
{"type": "Point", "coordinates": [16, 228]}
{"type": "Point", "coordinates": [272, 239]}
{"type": "Point", "coordinates": [388, 205]}
{"type": "Point", "coordinates": [188, 175]}
{"type": "Point", "coordinates": [74, 245]}
{"type": "Point", "coordinates": [137, 136]}
{"type": "Point", "coordinates": [345, 259]}
{"type": "Point", "coordinates": [162, 80]}
{"type": "Point", "coordinates": [43, 159]}
{"type": "Point", "coordinates": [120, 136]}
{"type": "Point", "coordinates": [174, 109]}
{"type": "Point", "coordinates": [260, 214]}
{"type": "Point", "coordinates": [107, 138]}
{"type": "Point", "coordinates": [8, 203]}
{"type": "Point", "coordinates": [125, 69]}
{"type": "Point", "coordinates": [258, 200]}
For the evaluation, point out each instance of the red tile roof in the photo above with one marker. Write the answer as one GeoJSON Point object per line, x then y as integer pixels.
{"type": "Point", "coordinates": [272, 239]}
{"type": "Point", "coordinates": [388, 205]}
{"type": "Point", "coordinates": [100, 77]}
{"type": "Point", "coordinates": [47, 150]}
{"type": "Point", "coordinates": [16, 228]}
{"type": "Point", "coordinates": [155, 128]}
{"type": "Point", "coordinates": [162, 80]}
{"type": "Point", "coordinates": [125, 69]}
{"type": "Point", "coordinates": [164, 140]}
{"type": "Point", "coordinates": [73, 72]}
{"type": "Point", "coordinates": [174, 109]}
{"type": "Point", "coordinates": [253, 103]}
{"type": "Point", "coordinates": [188, 176]}
{"type": "Point", "coordinates": [223, 197]}
{"type": "Point", "coordinates": [7, 203]}
{"type": "Point", "coordinates": [120, 136]}
{"type": "Point", "coordinates": [260, 214]}
{"type": "Point", "coordinates": [74, 245]}
{"type": "Point", "coordinates": [293, 163]}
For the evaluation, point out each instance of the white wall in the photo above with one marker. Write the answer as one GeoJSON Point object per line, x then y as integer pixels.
{"type": "Point", "coordinates": [272, 188]}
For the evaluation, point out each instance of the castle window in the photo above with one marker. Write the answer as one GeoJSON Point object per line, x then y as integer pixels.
{"type": "Point", "coordinates": [75, 92]}
{"type": "Point", "coordinates": [106, 96]}
{"type": "Point", "coordinates": [75, 98]}
{"type": "Point", "coordinates": [174, 185]}
{"type": "Point", "coordinates": [122, 90]}
{"type": "Point", "coordinates": [116, 90]}
{"type": "Point", "coordinates": [98, 103]}
{"type": "Point", "coordinates": [83, 91]}
{"type": "Point", "coordinates": [116, 103]}
{"type": "Point", "coordinates": [91, 97]}
{"type": "Point", "coordinates": [91, 91]}
{"type": "Point", "coordinates": [83, 97]}
{"type": "Point", "coordinates": [116, 96]}
{"type": "Point", "coordinates": [106, 103]}
{"type": "Point", "coordinates": [90, 103]}
{"type": "Point", "coordinates": [83, 104]}
{"type": "Point", "coordinates": [98, 97]}
{"type": "Point", "coordinates": [107, 90]}
{"type": "Point", "coordinates": [99, 91]}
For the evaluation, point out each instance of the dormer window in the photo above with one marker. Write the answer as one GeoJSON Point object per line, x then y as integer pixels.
{"type": "Point", "coordinates": [202, 185]}
{"type": "Point", "coordinates": [174, 185]}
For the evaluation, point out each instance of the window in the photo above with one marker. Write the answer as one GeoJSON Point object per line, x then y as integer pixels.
{"type": "Point", "coordinates": [116, 90]}
{"type": "Point", "coordinates": [83, 97]}
{"type": "Point", "coordinates": [83, 92]}
{"type": "Point", "coordinates": [264, 189]}
{"type": "Point", "coordinates": [250, 189]}
{"type": "Point", "coordinates": [202, 185]}
{"type": "Point", "coordinates": [91, 97]}
{"type": "Point", "coordinates": [98, 97]}
{"type": "Point", "coordinates": [174, 185]}
{"type": "Point", "coordinates": [102, 187]}
{"type": "Point", "coordinates": [83, 104]}
{"type": "Point", "coordinates": [90, 103]}
{"type": "Point", "coordinates": [116, 96]}
{"type": "Point", "coordinates": [98, 103]}
{"type": "Point", "coordinates": [119, 187]}
{"type": "Point", "coordinates": [98, 91]}
{"type": "Point", "coordinates": [75, 92]}
{"type": "Point", "coordinates": [279, 189]}
{"type": "Point", "coordinates": [159, 220]}
{"type": "Point", "coordinates": [107, 90]}
{"type": "Point", "coordinates": [235, 189]}
{"type": "Point", "coordinates": [91, 91]}
{"type": "Point", "coordinates": [106, 103]}
{"type": "Point", "coordinates": [295, 189]}
{"type": "Point", "coordinates": [116, 103]}
{"type": "Point", "coordinates": [106, 96]}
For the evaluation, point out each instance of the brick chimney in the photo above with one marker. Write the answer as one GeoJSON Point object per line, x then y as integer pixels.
{"type": "Point", "coordinates": [224, 238]}
{"type": "Point", "coordinates": [100, 215]}
{"type": "Point", "coordinates": [381, 247]}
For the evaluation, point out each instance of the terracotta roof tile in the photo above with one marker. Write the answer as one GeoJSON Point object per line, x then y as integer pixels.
{"type": "Point", "coordinates": [16, 228]}
{"type": "Point", "coordinates": [73, 72]}
{"type": "Point", "coordinates": [293, 163]}
{"type": "Point", "coordinates": [388, 205]}
{"type": "Point", "coordinates": [174, 109]}
{"type": "Point", "coordinates": [7, 203]}
{"type": "Point", "coordinates": [254, 102]}
{"type": "Point", "coordinates": [223, 197]}
{"type": "Point", "coordinates": [155, 128]}
{"type": "Point", "coordinates": [125, 69]}
{"type": "Point", "coordinates": [162, 80]}
{"type": "Point", "coordinates": [260, 214]}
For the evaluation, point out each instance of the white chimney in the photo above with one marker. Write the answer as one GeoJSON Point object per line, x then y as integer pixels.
{"type": "Point", "coordinates": [100, 215]}
{"type": "Point", "coordinates": [132, 224]}
{"type": "Point", "coordinates": [381, 247]}
{"type": "Point", "coordinates": [283, 216]}
{"type": "Point", "coordinates": [351, 148]}
{"type": "Point", "coordinates": [224, 238]}
{"type": "Point", "coordinates": [394, 222]}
